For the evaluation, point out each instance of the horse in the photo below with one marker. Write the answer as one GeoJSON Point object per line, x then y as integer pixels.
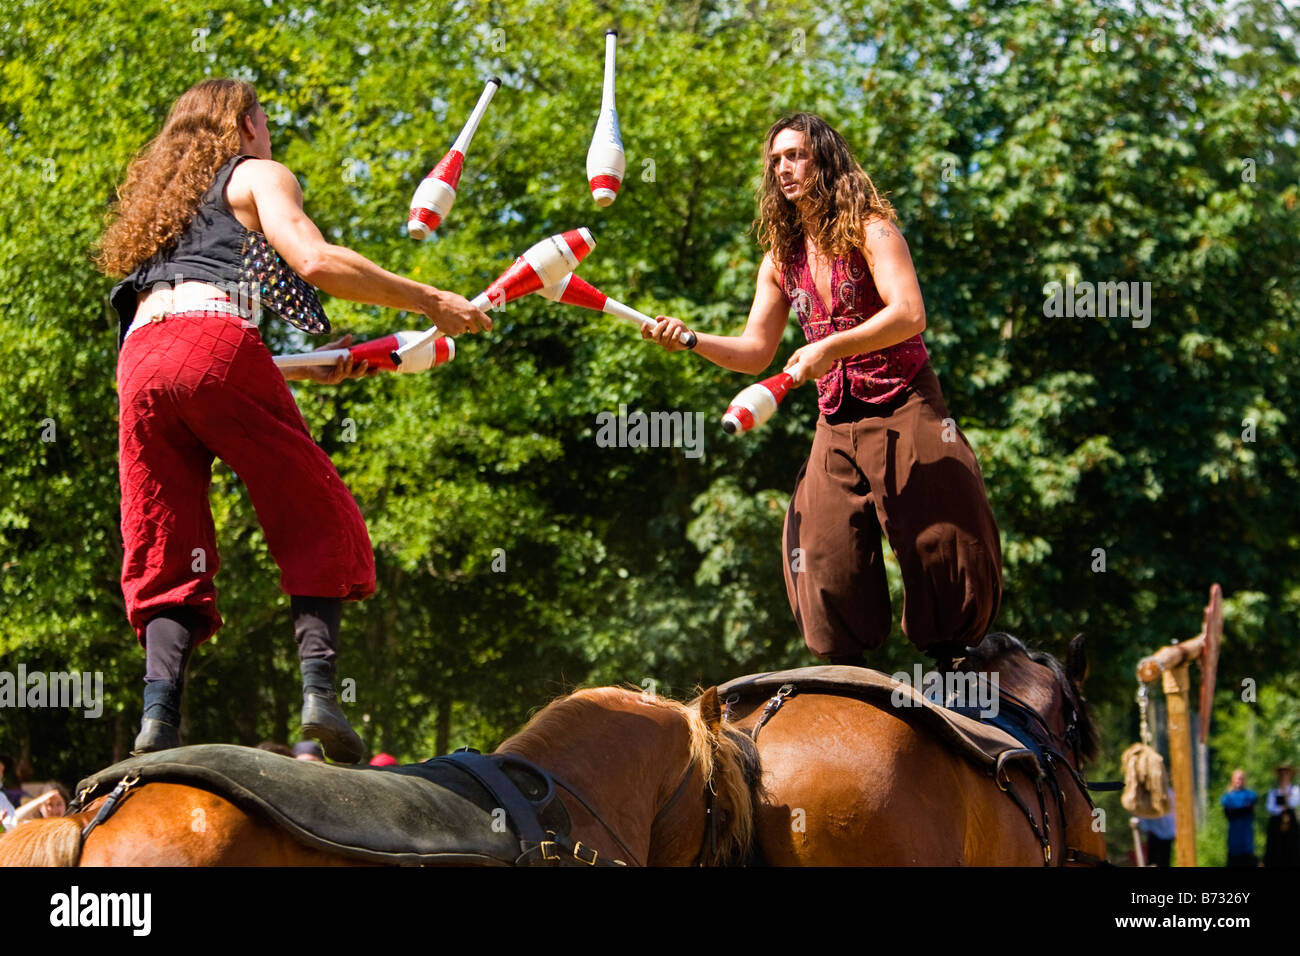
{"type": "Point", "coordinates": [645, 780]}
{"type": "Point", "coordinates": [849, 783]}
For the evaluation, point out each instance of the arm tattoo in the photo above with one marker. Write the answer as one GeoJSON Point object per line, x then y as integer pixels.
{"type": "Point", "coordinates": [884, 232]}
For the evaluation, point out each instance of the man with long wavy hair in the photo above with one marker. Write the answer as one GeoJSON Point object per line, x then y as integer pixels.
{"type": "Point", "coordinates": [886, 453]}
{"type": "Point", "coordinates": [205, 214]}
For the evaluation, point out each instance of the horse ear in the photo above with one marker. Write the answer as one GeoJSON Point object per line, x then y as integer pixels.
{"type": "Point", "coordinates": [1076, 661]}
{"type": "Point", "coordinates": [711, 710]}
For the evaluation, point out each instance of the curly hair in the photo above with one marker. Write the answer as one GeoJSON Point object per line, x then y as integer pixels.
{"type": "Point", "coordinates": [167, 178]}
{"type": "Point", "coordinates": [843, 197]}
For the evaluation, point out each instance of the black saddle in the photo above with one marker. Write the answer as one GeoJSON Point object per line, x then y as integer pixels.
{"type": "Point", "coordinates": [466, 808]}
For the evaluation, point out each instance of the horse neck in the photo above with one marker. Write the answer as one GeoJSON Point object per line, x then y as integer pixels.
{"type": "Point", "coordinates": [624, 757]}
{"type": "Point", "coordinates": [1036, 686]}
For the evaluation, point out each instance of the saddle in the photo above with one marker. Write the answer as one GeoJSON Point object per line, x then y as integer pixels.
{"type": "Point", "coordinates": [987, 745]}
{"type": "Point", "coordinates": [466, 808]}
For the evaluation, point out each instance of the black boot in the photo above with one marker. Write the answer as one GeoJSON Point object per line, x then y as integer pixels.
{"type": "Point", "coordinates": [168, 640]}
{"type": "Point", "coordinates": [316, 628]}
{"type": "Point", "coordinates": [322, 718]}
{"type": "Point", "coordinates": [161, 727]}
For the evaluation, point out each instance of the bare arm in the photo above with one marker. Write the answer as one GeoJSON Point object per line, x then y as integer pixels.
{"type": "Point", "coordinates": [275, 198]}
{"type": "Point", "coordinates": [755, 347]}
{"type": "Point", "coordinates": [902, 317]}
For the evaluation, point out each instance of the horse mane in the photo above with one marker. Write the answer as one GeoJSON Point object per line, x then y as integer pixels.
{"type": "Point", "coordinates": [727, 768]}
{"type": "Point", "coordinates": [53, 842]}
{"type": "Point", "coordinates": [995, 645]}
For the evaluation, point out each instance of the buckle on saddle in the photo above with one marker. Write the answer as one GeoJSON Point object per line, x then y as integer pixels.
{"type": "Point", "coordinates": [731, 701]}
{"type": "Point", "coordinates": [782, 692]}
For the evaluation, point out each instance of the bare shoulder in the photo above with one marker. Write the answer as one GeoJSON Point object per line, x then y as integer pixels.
{"type": "Point", "coordinates": [262, 172]}
{"type": "Point", "coordinates": [259, 186]}
{"type": "Point", "coordinates": [769, 276]}
{"type": "Point", "coordinates": [882, 230]}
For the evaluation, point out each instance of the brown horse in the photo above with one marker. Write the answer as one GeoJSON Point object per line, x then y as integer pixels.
{"type": "Point", "coordinates": [851, 784]}
{"type": "Point", "coordinates": [653, 782]}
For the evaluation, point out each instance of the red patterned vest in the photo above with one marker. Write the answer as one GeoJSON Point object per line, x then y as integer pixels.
{"type": "Point", "coordinates": [873, 377]}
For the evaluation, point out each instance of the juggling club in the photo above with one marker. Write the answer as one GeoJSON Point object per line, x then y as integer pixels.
{"type": "Point", "coordinates": [606, 161]}
{"type": "Point", "coordinates": [574, 290]}
{"type": "Point", "coordinates": [542, 263]}
{"type": "Point", "coordinates": [757, 403]}
{"type": "Point", "coordinates": [379, 353]}
{"type": "Point", "coordinates": [437, 191]}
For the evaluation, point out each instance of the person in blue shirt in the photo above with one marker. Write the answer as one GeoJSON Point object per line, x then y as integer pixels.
{"type": "Point", "coordinates": [1160, 832]}
{"type": "Point", "coordinates": [1239, 807]}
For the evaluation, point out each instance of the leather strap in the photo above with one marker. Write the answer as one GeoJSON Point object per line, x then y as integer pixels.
{"type": "Point", "coordinates": [521, 811]}
{"type": "Point", "coordinates": [771, 707]}
{"type": "Point", "coordinates": [110, 804]}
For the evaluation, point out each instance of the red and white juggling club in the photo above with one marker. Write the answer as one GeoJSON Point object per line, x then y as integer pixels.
{"type": "Point", "coordinates": [606, 161]}
{"type": "Point", "coordinates": [379, 353]}
{"type": "Point", "coordinates": [574, 290]}
{"type": "Point", "coordinates": [756, 404]}
{"type": "Point", "coordinates": [543, 263]}
{"type": "Point", "coordinates": [437, 191]}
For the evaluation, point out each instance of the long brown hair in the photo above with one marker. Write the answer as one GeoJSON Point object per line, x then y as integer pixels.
{"type": "Point", "coordinates": [842, 196]}
{"type": "Point", "coordinates": [168, 177]}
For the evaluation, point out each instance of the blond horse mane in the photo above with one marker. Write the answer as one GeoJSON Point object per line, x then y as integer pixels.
{"type": "Point", "coordinates": [54, 842]}
{"type": "Point", "coordinates": [716, 757]}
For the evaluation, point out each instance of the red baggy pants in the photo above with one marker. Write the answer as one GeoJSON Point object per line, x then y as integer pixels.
{"type": "Point", "coordinates": [200, 385]}
{"type": "Point", "coordinates": [909, 470]}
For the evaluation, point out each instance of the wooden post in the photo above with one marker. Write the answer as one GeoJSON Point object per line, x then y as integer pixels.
{"type": "Point", "coordinates": [1176, 683]}
{"type": "Point", "coordinates": [1172, 665]}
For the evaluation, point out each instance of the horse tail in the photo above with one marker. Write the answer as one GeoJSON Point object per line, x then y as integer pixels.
{"type": "Point", "coordinates": [54, 842]}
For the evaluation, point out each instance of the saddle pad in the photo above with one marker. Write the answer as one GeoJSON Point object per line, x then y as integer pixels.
{"type": "Point", "coordinates": [978, 742]}
{"type": "Point", "coordinates": [431, 812]}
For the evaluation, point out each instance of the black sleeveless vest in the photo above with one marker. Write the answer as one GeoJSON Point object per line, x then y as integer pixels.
{"type": "Point", "coordinates": [216, 248]}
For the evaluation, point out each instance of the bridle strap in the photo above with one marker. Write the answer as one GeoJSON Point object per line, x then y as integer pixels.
{"type": "Point", "coordinates": [598, 818]}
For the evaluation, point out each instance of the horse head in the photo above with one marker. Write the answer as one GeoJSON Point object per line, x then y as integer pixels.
{"type": "Point", "coordinates": [1050, 689]}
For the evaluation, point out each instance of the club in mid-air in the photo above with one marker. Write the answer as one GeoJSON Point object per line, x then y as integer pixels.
{"type": "Point", "coordinates": [606, 161]}
{"type": "Point", "coordinates": [379, 353]}
{"type": "Point", "coordinates": [574, 290]}
{"type": "Point", "coordinates": [757, 403]}
{"type": "Point", "coordinates": [437, 191]}
{"type": "Point", "coordinates": [542, 263]}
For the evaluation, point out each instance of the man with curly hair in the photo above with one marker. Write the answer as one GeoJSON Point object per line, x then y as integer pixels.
{"type": "Point", "coordinates": [204, 214]}
{"type": "Point", "coordinates": [887, 453]}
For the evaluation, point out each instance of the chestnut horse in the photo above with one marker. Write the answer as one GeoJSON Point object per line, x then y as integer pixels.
{"type": "Point", "coordinates": [654, 782]}
{"type": "Point", "coordinates": [852, 784]}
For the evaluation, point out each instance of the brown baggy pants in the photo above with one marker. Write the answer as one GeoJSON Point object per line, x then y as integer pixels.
{"type": "Point", "coordinates": [904, 470]}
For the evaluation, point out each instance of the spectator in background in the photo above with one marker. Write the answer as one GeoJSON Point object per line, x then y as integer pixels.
{"type": "Point", "coordinates": [1282, 842]}
{"type": "Point", "coordinates": [56, 805]}
{"type": "Point", "coordinates": [308, 750]}
{"type": "Point", "coordinates": [13, 796]}
{"type": "Point", "coordinates": [1239, 807]}
{"type": "Point", "coordinates": [8, 815]}
{"type": "Point", "coordinates": [383, 760]}
{"type": "Point", "coordinates": [1160, 836]}
{"type": "Point", "coordinates": [1285, 794]}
